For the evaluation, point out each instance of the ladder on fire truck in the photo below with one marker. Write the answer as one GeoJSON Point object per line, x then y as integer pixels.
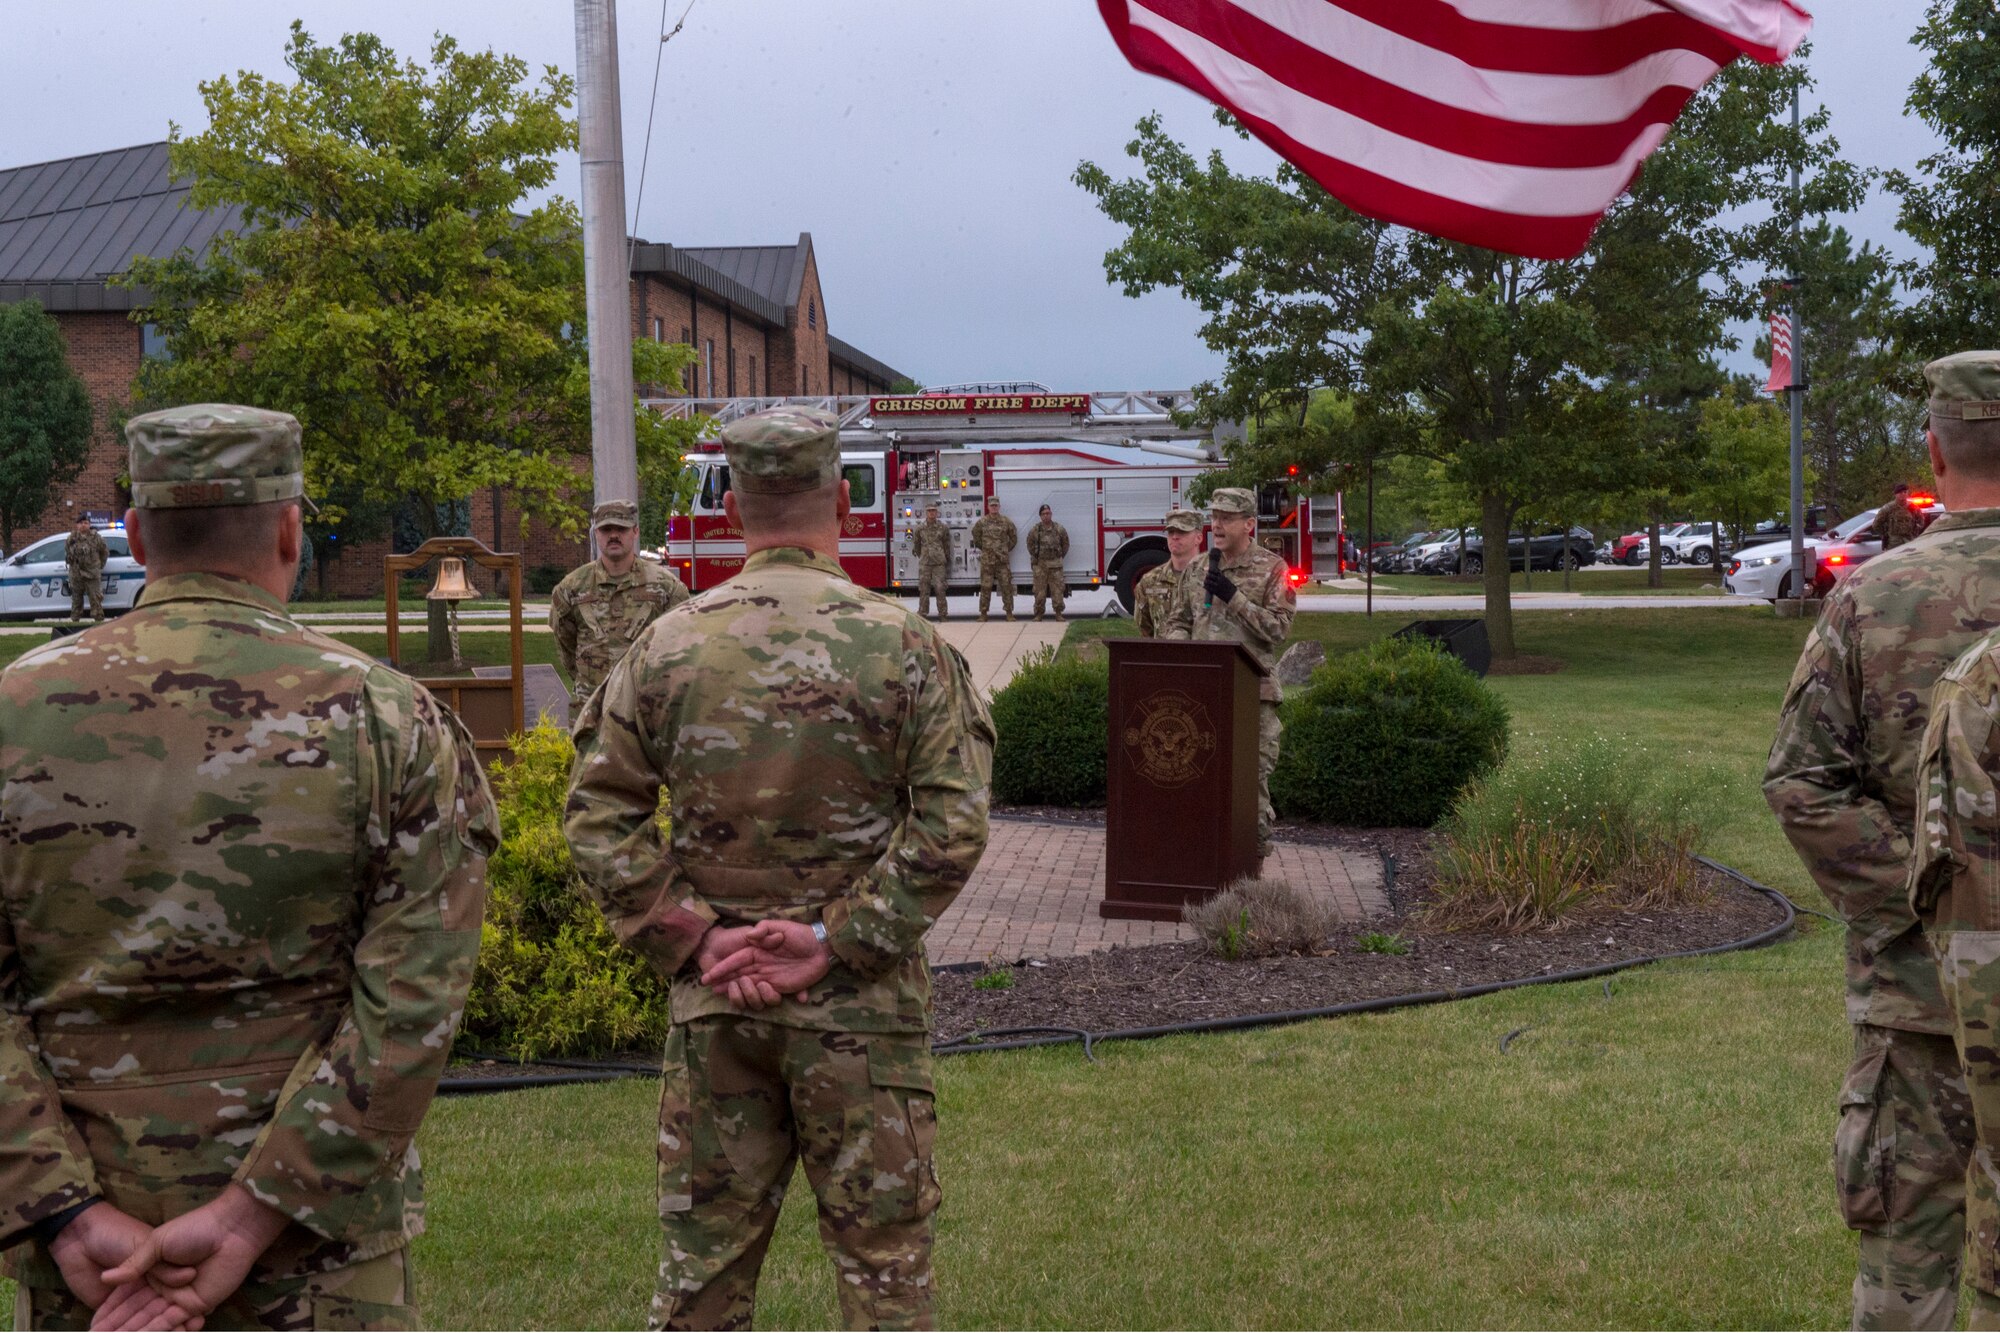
{"type": "Point", "coordinates": [1141, 419]}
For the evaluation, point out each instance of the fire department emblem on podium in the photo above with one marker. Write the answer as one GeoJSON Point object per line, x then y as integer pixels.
{"type": "Point", "coordinates": [1171, 740]}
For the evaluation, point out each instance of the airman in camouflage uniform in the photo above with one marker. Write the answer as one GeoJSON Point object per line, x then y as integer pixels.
{"type": "Point", "coordinates": [1895, 523]}
{"type": "Point", "coordinates": [1048, 545]}
{"type": "Point", "coordinates": [85, 554]}
{"type": "Point", "coordinates": [1244, 598]}
{"type": "Point", "coordinates": [1842, 780]}
{"type": "Point", "coordinates": [827, 759]}
{"type": "Point", "coordinates": [1152, 600]}
{"type": "Point", "coordinates": [994, 537]}
{"type": "Point", "coordinates": [599, 608]}
{"type": "Point", "coordinates": [241, 880]}
{"type": "Point", "coordinates": [931, 544]}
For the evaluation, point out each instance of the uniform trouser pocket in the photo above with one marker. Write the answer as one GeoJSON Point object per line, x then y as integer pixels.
{"type": "Point", "coordinates": [1862, 1156]}
{"type": "Point", "coordinates": [905, 1101]}
{"type": "Point", "coordinates": [676, 1143]}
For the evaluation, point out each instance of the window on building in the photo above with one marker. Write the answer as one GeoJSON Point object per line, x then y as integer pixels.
{"type": "Point", "coordinates": [153, 343]}
{"type": "Point", "coordinates": [708, 367]}
{"type": "Point", "coordinates": [754, 392]}
{"type": "Point", "coordinates": [659, 329]}
{"type": "Point", "coordinates": [687, 376]}
{"type": "Point", "coordinates": [812, 313]}
{"type": "Point", "coordinates": [805, 382]}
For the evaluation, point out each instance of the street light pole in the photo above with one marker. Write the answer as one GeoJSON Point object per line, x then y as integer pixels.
{"type": "Point", "coordinates": [1796, 391]}
{"type": "Point", "coordinates": [614, 449]}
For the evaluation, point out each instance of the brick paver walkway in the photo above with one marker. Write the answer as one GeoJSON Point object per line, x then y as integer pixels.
{"type": "Point", "coordinates": [1036, 892]}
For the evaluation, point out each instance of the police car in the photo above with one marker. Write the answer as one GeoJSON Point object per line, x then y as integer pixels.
{"type": "Point", "coordinates": [34, 581]}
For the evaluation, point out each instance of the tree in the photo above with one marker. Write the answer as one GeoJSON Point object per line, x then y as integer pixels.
{"type": "Point", "coordinates": [44, 417]}
{"type": "Point", "coordinates": [1746, 472]}
{"type": "Point", "coordinates": [1860, 430]}
{"type": "Point", "coordinates": [388, 287]}
{"type": "Point", "coordinates": [1948, 206]}
{"type": "Point", "coordinates": [1510, 373]}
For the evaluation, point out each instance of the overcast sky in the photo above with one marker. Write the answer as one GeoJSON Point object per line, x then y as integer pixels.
{"type": "Point", "coordinates": [927, 145]}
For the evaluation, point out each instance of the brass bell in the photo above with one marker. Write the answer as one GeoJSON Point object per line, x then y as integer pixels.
{"type": "Point", "coordinates": [451, 585]}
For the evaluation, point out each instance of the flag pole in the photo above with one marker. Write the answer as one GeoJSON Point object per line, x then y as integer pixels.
{"type": "Point", "coordinates": [1797, 389]}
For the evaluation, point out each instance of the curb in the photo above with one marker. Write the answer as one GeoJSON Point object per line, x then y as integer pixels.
{"type": "Point", "coordinates": [599, 1071]}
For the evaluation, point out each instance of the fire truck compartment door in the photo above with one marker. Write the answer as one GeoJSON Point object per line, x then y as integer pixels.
{"type": "Point", "coordinates": [1139, 501]}
{"type": "Point", "coordinates": [1072, 502]}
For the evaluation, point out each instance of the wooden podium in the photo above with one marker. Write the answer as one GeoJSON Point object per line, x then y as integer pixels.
{"type": "Point", "coordinates": [1182, 775]}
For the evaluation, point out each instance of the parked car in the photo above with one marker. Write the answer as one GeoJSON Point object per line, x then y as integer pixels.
{"type": "Point", "coordinates": [1765, 570]}
{"type": "Point", "coordinates": [35, 581]}
{"type": "Point", "coordinates": [1440, 554]}
{"type": "Point", "coordinates": [1685, 544]}
{"type": "Point", "coordinates": [1552, 549]}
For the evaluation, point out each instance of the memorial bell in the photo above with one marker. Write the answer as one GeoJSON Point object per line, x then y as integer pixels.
{"type": "Point", "coordinates": [451, 585]}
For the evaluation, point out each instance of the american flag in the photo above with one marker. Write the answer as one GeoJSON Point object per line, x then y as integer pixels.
{"type": "Point", "coordinates": [1510, 124]}
{"type": "Point", "coordinates": [1781, 353]}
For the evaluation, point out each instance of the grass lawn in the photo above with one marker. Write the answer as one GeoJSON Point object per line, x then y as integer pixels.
{"type": "Point", "coordinates": [1656, 1158]}
{"type": "Point", "coordinates": [1615, 581]}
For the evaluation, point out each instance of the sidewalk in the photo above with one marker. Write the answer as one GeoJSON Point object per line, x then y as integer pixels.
{"type": "Point", "coordinates": [1036, 892]}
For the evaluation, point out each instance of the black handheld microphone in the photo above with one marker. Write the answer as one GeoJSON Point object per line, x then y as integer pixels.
{"type": "Point", "coordinates": [1214, 566]}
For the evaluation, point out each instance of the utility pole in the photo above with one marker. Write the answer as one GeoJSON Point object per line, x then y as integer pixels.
{"type": "Point", "coordinates": [614, 447]}
{"type": "Point", "coordinates": [1801, 588]}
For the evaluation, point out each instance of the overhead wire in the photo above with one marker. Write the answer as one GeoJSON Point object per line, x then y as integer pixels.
{"type": "Point", "coordinates": [652, 106]}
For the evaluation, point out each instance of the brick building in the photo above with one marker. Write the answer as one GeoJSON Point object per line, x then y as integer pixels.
{"type": "Point", "coordinates": [756, 314]}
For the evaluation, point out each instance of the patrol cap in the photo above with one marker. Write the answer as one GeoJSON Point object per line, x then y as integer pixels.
{"type": "Point", "coordinates": [1232, 500]}
{"type": "Point", "coordinates": [1183, 520]}
{"type": "Point", "coordinates": [615, 514]}
{"type": "Point", "coordinates": [1965, 386]}
{"type": "Point", "coordinates": [783, 450]}
{"type": "Point", "coordinates": [211, 454]}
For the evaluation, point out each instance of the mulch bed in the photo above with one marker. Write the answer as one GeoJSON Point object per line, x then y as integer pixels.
{"type": "Point", "coordinates": [1164, 984]}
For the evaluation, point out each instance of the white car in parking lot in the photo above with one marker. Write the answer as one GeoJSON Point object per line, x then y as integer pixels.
{"type": "Point", "coordinates": [35, 581]}
{"type": "Point", "coordinates": [1766, 571]}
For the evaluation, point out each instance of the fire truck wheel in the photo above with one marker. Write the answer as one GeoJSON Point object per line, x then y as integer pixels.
{"type": "Point", "coordinates": [1126, 581]}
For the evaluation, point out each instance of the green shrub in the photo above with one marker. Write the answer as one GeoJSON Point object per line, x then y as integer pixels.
{"type": "Point", "coordinates": [1387, 737]}
{"type": "Point", "coordinates": [552, 981]}
{"type": "Point", "coordinates": [1052, 720]}
{"type": "Point", "coordinates": [1569, 828]}
{"type": "Point", "coordinates": [541, 580]}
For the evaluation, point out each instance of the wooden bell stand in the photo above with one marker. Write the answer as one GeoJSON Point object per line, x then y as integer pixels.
{"type": "Point", "coordinates": [490, 707]}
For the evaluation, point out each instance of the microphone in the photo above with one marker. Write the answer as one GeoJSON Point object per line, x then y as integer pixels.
{"type": "Point", "coordinates": [1214, 565]}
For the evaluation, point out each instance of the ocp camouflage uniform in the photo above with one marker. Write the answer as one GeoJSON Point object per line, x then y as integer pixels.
{"type": "Point", "coordinates": [1153, 599]}
{"type": "Point", "coordinates": [1259, 617]}
{"type": "Point", "coordinates": [827, 758]}
{"type": "Point", "coordinates": [242, 870]}
{"type": "Point", "coordinates": [1048, 545]}
{"type": "Point", "coordinates": [930, 542]}
{"type": "Point", "coordinates": [1895, 523]}
{"type": "Point", "coordinates": [1955, 864]}
{"type": "Point", "coordinates": [1841, 780]}
{"type": "Point", "coordinates": [596, 615]}
{"type": "Point", "coordinates": [994, 537]}
{"type": "Point", "coordinates": [85, 555]}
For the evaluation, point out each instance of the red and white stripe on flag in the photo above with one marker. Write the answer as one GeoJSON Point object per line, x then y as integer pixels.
{"type": "Point", "coordinates": [1510, 124]}
{"type": "Point", "coordinates": [1781, 353]}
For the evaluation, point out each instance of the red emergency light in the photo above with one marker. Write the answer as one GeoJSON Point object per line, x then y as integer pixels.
{"type": "Point", "coordinates": [1919, 498]}
{"type": "Point", "coordinates": [1297, 576]}
{"type": "Point", "coordinates": [1836, 559]}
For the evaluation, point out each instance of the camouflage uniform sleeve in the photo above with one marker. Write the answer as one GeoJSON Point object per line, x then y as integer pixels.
{"type": "Point", "coordinates": [878, 922]}
{"type": "Point", "coordinates": [1142, 598]}
{"type": "Point", "coordinates": [353, 1103]}
{"type": "Point", "coordinates": [1849, 841]}
{"type": "Point", "coordinates": [611, 822]}
{"type": "Point", "coordinates": [677, 592]}
{"type": "Point", "coordinates": [44, 1165]}
{"type": "Point", "coordinates": [1269, 614]}
{"type": "Point", "coordinates": [563, 625]}
{"type": "Point", "coordinates": [1062, 542]}
{"type": "Point", "coordinates": [1180, 608]}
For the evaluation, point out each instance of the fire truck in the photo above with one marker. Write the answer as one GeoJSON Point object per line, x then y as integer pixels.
{"type": "Point", "coordinates": [1108, 465]}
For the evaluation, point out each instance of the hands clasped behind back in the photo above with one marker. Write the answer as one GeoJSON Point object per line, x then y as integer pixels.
{"type": "Point", "coordinates": [756, 967]}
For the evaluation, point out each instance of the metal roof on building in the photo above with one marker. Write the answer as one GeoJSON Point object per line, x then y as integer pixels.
{"type": "Point", "coordinates": [775, 272]}
{"type": "Point", "coordinates": [68, 226]}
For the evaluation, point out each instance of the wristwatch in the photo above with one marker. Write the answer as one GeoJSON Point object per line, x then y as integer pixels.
{"type": "Point", "coordinates": [819, 931]}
